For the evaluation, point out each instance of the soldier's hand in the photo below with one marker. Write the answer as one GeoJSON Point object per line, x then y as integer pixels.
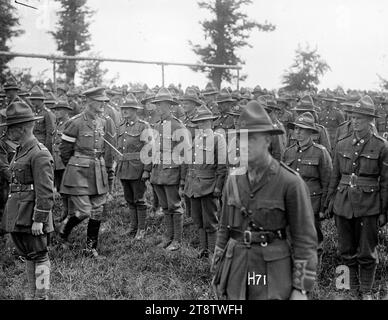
{"type": "Point", "coordinates": [298, 295]}
{"type": "Point", "coordinates": [37, 228]}
{"type": "Point", "coordinates": [145, 176]}
{"type": "Point", "coordinates": [109, 197]}
{"type": "Point", "coordinates": [217, 193]}
{"type": "Point", "coordinates": [382, 220]}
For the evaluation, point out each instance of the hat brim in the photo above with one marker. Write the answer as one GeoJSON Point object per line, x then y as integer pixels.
{"type": "Point", "coordinates": [292, 126]}
{"type": "Point", "coordinates": [196, 101]}
{"type": "Point", "coordinates": [36, 98]}
{"type": "Point", "coordinates": [328, 99]}
{"type": "Point", "coordinates": [365, 114]}
{"type": "Point", "coordinates": [209, 93]}
{"type": "Point", "coordinates": [135, 106]}
{"type": "Point", "coordinates": [165, 100]}
{"type": "Point", "coordinates": [11, 88]}
{"type": "Point", "coordinates": [204, 118]}
{"type": "Point", "coordinates": [19, 121]}
{"type": "Point", "coordinates": [226, 100]}
{"type": "Point", "coordinates": [303, 110]}
{"type": "Point", "coordinates": [270, 130]}
{"type": "Point", "coordinates": [100, 99]}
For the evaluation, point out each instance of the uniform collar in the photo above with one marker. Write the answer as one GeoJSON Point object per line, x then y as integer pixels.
{"type": "Point", "coordinates": [306, 146]}
{"type": "Point", "coordinates": [22, 149]}
{"type": "Point", "coordinates": [365, 138]}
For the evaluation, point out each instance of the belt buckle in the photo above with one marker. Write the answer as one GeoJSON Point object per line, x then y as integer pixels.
{"type": "Point", "coordinates": [247, 237]}
{"type": "Point", "coordinates": [263, 243]}
{"type": "Point", "coordinates": [353, 179]}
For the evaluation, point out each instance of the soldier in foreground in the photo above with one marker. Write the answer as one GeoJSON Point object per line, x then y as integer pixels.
{"type": "Point", "coordinates": [258, 206]}
{"type": "Point", "coordinates": [28, 215]}
{"type": "Point", "coordinates": [358, 197]}
{"type": "Point", "coordinates": [88, 170]}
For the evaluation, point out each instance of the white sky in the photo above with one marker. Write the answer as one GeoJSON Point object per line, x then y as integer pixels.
{"type": "Point", "coordinates": [351, 35]}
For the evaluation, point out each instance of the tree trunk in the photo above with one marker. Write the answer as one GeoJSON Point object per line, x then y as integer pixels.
{"type": "Point", "coordinates": [217, 78]}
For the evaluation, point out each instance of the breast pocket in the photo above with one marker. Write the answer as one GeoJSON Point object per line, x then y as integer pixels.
{"type": "Point", "coordinates": [345, 161]}
{"type": "Point", "coordinates": [270, 214]}
{"type": "Point", "coordinates": [309, 168]}
{"type": "Point", "coordinates": [23, 173]}
{"type": "Point", "coordinates": [86, 139]}
{"type": "Point", "coordinates": [369, 163]}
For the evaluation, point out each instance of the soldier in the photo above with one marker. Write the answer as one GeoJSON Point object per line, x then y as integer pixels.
{"type": "Point", "coordinates": [166, 174]}
{"type": "Point", "coordinates": [74, 102]}
{"type": "Point", "coordinates": [88, 159]}
{"type": "Point", "coordinates": [11, 90]}
{"type": "Point", "coordinates": [49, 100]}
{"type": "Point", "coordinates": [225, 121]}
{"type": "Point", "coordinates": [130, 169]}
{"type": "Point", "coordinates": [62, 89]}
{"type": "Point", "coordinates": [205, 179]}
{"type": "Point", "coordinates": [358, 196]}
{"type": "Point", "coordinates": [5, 179]}
{"type": "Point", "coordinates": [44, 129]}
{"type": "Point", "coordinates": [28, 214]}
{"type": "Point", "coordinates": [312, 161]}
{"type": "Point", "coordinates": [330, 117]}
{"type": "Point", "coordinates": [210, 95]}
{"type": "Point", "coordinates": [257, 92]}
{"type": "Point", "coordinates": [112, 109]}
{"type": "Point", "coordinates": [285, 116]}
{"type": "Point", "coordinates": [382, 120]}
{"type": "Point", "coordinates": [258, 206]}
{"type": "Point", "coordinates": [322, 137]}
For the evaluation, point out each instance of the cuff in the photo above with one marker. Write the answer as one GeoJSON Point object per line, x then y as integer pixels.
{"type": "Point", "coordinates": [302, 278]}
{"type": "Point", "coordinates": [41, 215]}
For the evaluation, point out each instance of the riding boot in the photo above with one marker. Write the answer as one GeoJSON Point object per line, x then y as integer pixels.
{"type": "Point", "coordinates": [168, 236]}
{"type": "Point", "coordinates": [30, 271]}
{"type": "Point", "coordinates": [202, 243]}
{"type": "Point", "coordinates": [141, 217]}
{"type": "Point", "coordinates": [178, 230]}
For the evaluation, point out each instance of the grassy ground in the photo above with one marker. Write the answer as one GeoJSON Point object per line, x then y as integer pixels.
{"type": "Point", "coordinates": [140, 270]}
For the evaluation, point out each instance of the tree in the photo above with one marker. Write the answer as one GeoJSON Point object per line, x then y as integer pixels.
{"type": "Point", "coordinates": [72, 34]}
{"type": "Point", "coordinates": [8, 29]}
{"type": "Point", "coordinates": [306, 70]}
{"type": "Point", "coordinates": [228, 31]}
{"type": "Point", "coordinates": [383, 83]}
{"type": "Point", "coordinates": [92, 74]}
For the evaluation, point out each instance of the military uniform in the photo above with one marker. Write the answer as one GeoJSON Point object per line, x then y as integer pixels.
{"type": "Point", "coordinates": [382, 121]}
{"type": "Point", "coordinates": [88, 174]}
{"type": "Point", "coordinates": [358, 194]}
{"type": "Point", "coordinates": [130, 168]}
{"type": "Point", "coordinates": [331, 118]}
{"type": "Point", "coordinates": [205, 175]}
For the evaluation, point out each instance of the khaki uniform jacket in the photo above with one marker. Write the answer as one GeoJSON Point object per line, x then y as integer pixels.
{"type": "Point", "coordinates": [149, 116]}
{"type": "Point", "coordinates": [366, 193]}
{"type": "Point", "coordinates": [31, 195]}
{"type": "Point", "coordinates": [279, 200]}
{"type": "Point", "coordinates": [58, 163]}
{"type": "Point", "coordinates": [87, 157]}
{"type": "Point", "coordinates": [322, 138]}
{"type": "Point", "coordinates": [44, 128]}
{"type": "Point", "coordinates": [314, 165]}
{"type": "Point", "coordinates": [167, 168]}
{"type": "Point", "coordinates": [331, 119]}
{"type": "Point", "coordinates": [382, 121]}
{"type": "Point", "coordinates": [208, 168]}
{"type": "Point", "coordinates": [131, 138]}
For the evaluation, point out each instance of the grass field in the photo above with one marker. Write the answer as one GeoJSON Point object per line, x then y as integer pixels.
{"type": "Point", "coordinates": [140, 270]}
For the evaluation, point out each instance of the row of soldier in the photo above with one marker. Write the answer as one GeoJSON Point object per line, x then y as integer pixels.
{"type": "Point", "coordinates": [308, 133]}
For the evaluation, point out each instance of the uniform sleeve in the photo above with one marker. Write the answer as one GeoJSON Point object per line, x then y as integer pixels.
{"type": "Point", "coordinates": [222, 168]}
{"type": "Point", "coordinates": [148, 166]}
{"type": "Point", "coordinates": [384, 179]}
{"type": "Point", "coordinates": [181, 135]}
{"type": "Point", "coordinates": [4, 165]}
{"type": "Point", "coordinates": [68, 138]}
{"type": "Point", "coordinates": [325, 170]}
{"type": "Point", "coordinates": [340, 117]}
{"type": "Point", "coordinates": [324, 139]}
{"type": "Point", "coordinates": [226, 212]}
{"type": "Point", "coordinates": [334, 178]}
{"type": "Point", "coordinates": [43, 175]}
{"type": "Point", "coordinates": [50, 127]}
{"type": "Point", "coordinates": [276, 147]}
{"type": "Point", "coordinates": [303, 234]}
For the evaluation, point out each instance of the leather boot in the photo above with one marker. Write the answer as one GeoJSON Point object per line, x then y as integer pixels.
{"type": "Point", "coordinates": [134, 222]}
{"type": "Point", "coordinates": [202, 243]}
{"type": "Point", "coordinates": [211, 241]}
{"type": "Point", "coordinates": [178, 230]}
{"type": "Point", "coordinates": [42, 275]}
{"type": "Point", "coordinates": [65, 232]}
{"type": "Point", "coordinates": [141, 217]}
{"type": "Point", "coordinates": [367, 277]}
{"type": "Point", "coordinates": [168, 236]}
{"type": "Point", "coordinates": [30, 271]}
{"type": "Point", "coordinates": [92, 239]}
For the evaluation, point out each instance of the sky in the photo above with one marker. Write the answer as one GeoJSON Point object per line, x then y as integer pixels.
{"type": "Point", "coordinates": [351, 35]}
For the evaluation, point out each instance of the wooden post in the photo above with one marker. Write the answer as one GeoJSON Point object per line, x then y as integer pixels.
{"type": "Point", "coordinates": [55, 75]}
{"type": "Point", "coordinates": [162, 75]}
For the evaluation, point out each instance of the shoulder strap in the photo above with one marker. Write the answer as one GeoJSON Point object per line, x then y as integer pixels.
{"type": "Point", "coordinates": [235, 190]}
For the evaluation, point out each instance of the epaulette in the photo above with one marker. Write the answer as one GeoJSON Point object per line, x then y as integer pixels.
{"type": "Point", "coordinates": [319, 125]}
{"type": "Point", "coordinates": [76, 116]}
{"type": "Point", "coordinates": [343, 123]}
{"type": "Point", "coordinates": [179, 120]}
{"type": "Point", "coordinates": [42, 146]}
{"type": "Point", "coordinates": [47, 109]}
{"type": "Point", "coordinates": [288, 168]}
{"type": "Point", "coordinates": [378, 137]}
{"type": "Point", "coordinates": [291, 146]}
{"type": "Point", "coordinates": [319, 146]}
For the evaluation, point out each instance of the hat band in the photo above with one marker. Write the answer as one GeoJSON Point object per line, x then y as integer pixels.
{"type": "Point", "coordinates": [363, 110]}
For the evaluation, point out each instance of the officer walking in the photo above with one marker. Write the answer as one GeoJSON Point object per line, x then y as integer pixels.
{"type": "Point", "coordinates": [358, 196]}
{"type": "Point", "coordinates": [28, 215]}
{"type": "Point", "coordinates": [252, 258]}
{"type": "Point", "coordinates": [88, 161]}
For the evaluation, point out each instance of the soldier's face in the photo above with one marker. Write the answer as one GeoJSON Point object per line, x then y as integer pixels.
{"type": "Point", "coordinates": [36, 102]}
{"type": "Point", "coordinates": [96, 106]}
{"type": "Point", "coordinates": [206, 124]}
{"type": "Point", "coordinates": [257, 147]}
{"type": "Point", "coordinates": [128, 112]}
{"type": "Point", "coordinates": [15, 133]}
{"type": "Point", "coordinates": [188, 106]}
{"type": "Point", "coordinates": [164, 107]}
{"type": "Point", "coordinates": [360, 122]}
{"type": "Point", "coordinates": [60, 113]}
{"type": "Point", "coordinates": [302, 134]}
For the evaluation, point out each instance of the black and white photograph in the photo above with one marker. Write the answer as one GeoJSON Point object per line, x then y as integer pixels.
{"type": "Point", "coordinates": [207, 151]}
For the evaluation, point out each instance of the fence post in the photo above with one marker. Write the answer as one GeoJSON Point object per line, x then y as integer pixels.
{"type": "Point", "coordinates": [55, 75]}
{"type": "Point", "coordinates": [162, 75]}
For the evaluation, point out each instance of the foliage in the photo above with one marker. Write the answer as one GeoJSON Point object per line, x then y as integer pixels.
{"type": "Point", "coordinates": [92, 74]}
{"type": "Point", "coordinates": [227, 31]}
{"type": "Point", "coordinates": [305, 72]}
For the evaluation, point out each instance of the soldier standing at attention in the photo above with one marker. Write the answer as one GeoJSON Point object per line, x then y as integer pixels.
{"type": "Point", "coordinates": [210, 96]}
{"type": "Point", "coordinates": [130, 169]}
{"type": "Point", "coordinates": [88, 159]}
{"type": "Point", "coordinates": [358, 197]}
{"type": "Point", "coordinates": [225, 121]}
{"type": "Point", "coordinates": [312, 161]}
{"type": "Point", "coordinates": [167, 170]}
{"type": "Point", "coordinates": [205, 179]}
{"type": "Point", "coordinates": [44, 129]}
{"type": "Point", "coordinates": [258, 206]}
{"type": "Point", "coordinates": [28, 215]}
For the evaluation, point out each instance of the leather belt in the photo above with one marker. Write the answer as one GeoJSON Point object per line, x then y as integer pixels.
{"type": "Point", "coordinates": [353, 180]}
{"type": "Point", "coordinates": [263, 238]}
{"type": "Point", "coordinates": [18, 187]}
{"type": "Point", "coordinates": [89, 154]}
{"type": "Point", "coordinates": [130, 156]}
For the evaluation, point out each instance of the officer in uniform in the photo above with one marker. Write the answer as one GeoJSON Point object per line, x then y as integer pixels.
{"type": "Point", "coordinates": [330, 116]}
{"type": "Point", "coordinates": [166, 174]}
{"type": "Point", "coordinates": [253, 258]}
{"type": "Point", "coordinates": [312, 161]}
{"type": "Point", "coordinates": [358, 196]}
{"type": "Point", "coordinates": [44, 129]}
{"type": "Point", "coordinates": [205, 179]}
{"type": "Point", "coordinates": [28, 215]}
{"type": "Point", "coordinates": [88, 159]}
{"type": "Point", "coordinates": [322, 137]}
{"type": "Point", "coordinates": [210, 95]}
{"type": "Point", "coordinates": [131, 171]}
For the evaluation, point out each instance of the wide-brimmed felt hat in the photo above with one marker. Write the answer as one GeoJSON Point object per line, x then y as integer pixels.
{"type": "Point", "coordinates": [191, 95]}
{"type": "Point", "coordinates": [19, 112]}
{"type": "Point", "coordinates": [254, 118]}
{"type": "Point", "coordinates": [285, 97]}
{"type": "Point", "coordinates": [62, 103]}
{"type": "Point", "coordinates": [305, 104]}
{"type": "Point", "coordinates": [258, 90]}
{"type": "Point", "coordinates": [235, 110]}
{"type": "Point", "coordinates": [23, 91]}
{"type": "Point", "coordinates": [224, 96]}
{"type": "Point", "coordinates": [11, 84]}
{"type": "Point", "coordinates": [97, 94]}
{"type": "Point", "coordinates": [324, 96]}
{"type": "Point", "coordinates": [271, 103]}
{"type": "Point", "coordinates": [130, 101]}
{"type": "Point", "coordinates": [365, 106]}
{"type": "Point", "coordinates": [164, 95]}
{"type": "Point", "coordinates": [210, 89]}
{"type": "Point", "coordinates": [148, 96]}
{"type": "Point", "coordinates": [50, 98]}
{"type": "Point", "coordinates": [113, 93]}
{"type": "Point", "coordinates": [305, 121]}
{"type": "Point", "coordinates": [203, 113]}
{"type": "Point", "coordinates": [236, 95]}
{"type": "Point", "coordinates": [350, 101]}
{"type": "Point", "coordinates": [137, 89]}
{"type": "Point", "coordinates": [247, 95]}
{"type": "Point", "coordinates": [36, 93]}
